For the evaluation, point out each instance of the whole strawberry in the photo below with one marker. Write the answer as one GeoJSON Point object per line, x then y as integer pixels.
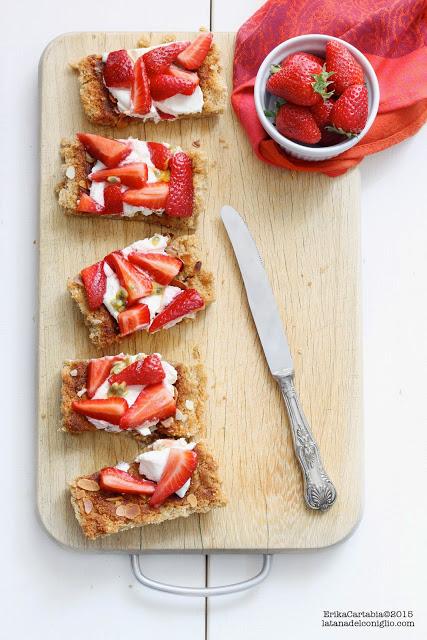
{"type": "Point", "coordinates": [299, 80]}
{"type": "Point", "coordinates": [310, 56]}
{"type": "Point", "coordinates": [350, 112]}
{"type": "Point", "coordinates": [297, 123]}
{"type": "Point", "coordinates": [344, 66]}
{"type": "Point", "coordinates": [322, 112]}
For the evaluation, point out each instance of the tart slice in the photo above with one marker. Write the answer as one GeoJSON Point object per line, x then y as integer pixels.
{"type": "Point", "coordinates": [170, 479]}
{"type": "Point", "coordinates": [133, 394]}
{"type": "Point", "coordinates": [132, 179]}
{"type": "Point", "coordinates": [178, 79]}
{"type": "Point", "coordinates": [150, 285]}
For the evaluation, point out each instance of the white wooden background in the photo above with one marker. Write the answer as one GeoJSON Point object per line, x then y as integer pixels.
{"type": "Point", "coordinates": [47, 591]}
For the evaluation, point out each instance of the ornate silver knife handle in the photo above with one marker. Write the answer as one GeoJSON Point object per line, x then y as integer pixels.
{"type": "Point", "coordinates": [319, 492]}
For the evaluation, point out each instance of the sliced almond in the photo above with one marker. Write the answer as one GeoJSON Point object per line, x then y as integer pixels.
{"type": "Point", "coordinates": [88, 505]}
{"type": "Point", "coordinates": [192, 500]}
{"type": "Point", "coordinates": [87, 484]}
{"type": "Point", "coordinates": [129, 511]}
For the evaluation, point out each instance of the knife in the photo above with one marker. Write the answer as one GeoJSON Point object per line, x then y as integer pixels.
{"type": "Point", "coordinates": [319, 492]}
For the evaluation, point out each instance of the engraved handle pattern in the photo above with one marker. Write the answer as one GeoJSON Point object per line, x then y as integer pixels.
{"type": "Point", "coordinates": [319, 492]}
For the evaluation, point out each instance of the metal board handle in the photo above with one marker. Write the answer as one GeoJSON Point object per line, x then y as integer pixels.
{"type": "Point", "coordinates": [203, 592]}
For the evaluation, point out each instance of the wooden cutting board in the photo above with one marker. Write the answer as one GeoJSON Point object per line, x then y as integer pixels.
{"type": "Point", "coordinates": [307, 228]}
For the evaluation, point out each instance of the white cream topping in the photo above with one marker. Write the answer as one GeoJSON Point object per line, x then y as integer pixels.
{"type": "Point", "coordinates": [180, 104]}
{"type": "Point", "coordinates": [131, 395]}
{"type": "Point", "coordinates": [158, 301]}
{"type": "Point", "coordinates": [139, 153]}
{"type": "Point", "coordinates": [175, 106]}
{"type": "Point", "coordinates": [155, 244]}
{"type": "Point", "coordinates": [152, 463]}
{"type": "Point", "coordinates": [111, 291]}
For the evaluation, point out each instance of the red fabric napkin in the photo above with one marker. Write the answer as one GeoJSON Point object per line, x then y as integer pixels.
{"type": "Point", "coordinates": [391, 33]}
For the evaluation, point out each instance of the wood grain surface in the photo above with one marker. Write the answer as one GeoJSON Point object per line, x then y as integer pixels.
{"type": "Point", "coordinates": [307, 230]}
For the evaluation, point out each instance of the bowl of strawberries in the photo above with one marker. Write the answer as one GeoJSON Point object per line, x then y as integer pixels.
{"type": "Point", "coordinates": [316, 96]}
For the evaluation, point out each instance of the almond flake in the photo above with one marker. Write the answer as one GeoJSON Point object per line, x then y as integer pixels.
{"type": "Point", "coordinates": [168, 422]}
{"type": "Point", "coordinates": [73, 372]}
{"type": "Point", "coordinates": [70, 173]}
{"type": "Point", "coordinates": [88, 484]}
{"type": "Point", "coordinates": [88, 505]}
{"type": "Point", "coordinates": [81, 392]}
{"type": "Point", "coordinates": [129, 511]}
{"type": "Point", "coordinates": [192, 500]}
{"type": "Point", "coordinates": [189, 404]}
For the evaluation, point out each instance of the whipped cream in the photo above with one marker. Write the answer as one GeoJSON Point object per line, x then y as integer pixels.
{"type": "Point", "coordinates": [131, 394]}
{"type": "Point", "coordinates": [180, 104]}
{"type": "Point", "coordinates": [152, 463]}
{"type": "Point", "coordinates": [176, 105]}
{"type": "Point", "coordinates": [112, 289]}
{"type": "Point", "coordinates": [156, 302]}
{"type": "Point", "coordinates": [155, 244]}
{"type": "Point", "coordinates": [139, 153]}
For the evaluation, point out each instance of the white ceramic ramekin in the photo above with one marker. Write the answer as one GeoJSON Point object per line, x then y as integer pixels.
{"type": "Point", "coordinates": [312, 43]}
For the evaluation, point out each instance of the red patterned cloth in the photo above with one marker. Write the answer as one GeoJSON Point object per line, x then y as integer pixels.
{"type": "Point", "coordinates": [391, 33]}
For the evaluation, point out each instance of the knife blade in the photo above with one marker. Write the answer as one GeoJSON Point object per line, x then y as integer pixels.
{"type": "Point", "coordinates": [260, 296]}
{"type": "Point", "coordinates": [319, 492]}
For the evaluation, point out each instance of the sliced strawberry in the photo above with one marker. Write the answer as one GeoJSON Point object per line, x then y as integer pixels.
{"type": "Point", "coordinates": [117, 481]}
{"type": "Point", "coordinates": [160, 155]}
{"type": "Point", "coordinates": [95, 284]}
{"type": "Point", "coordinates": [161, 267]}
{"type": "Point", "coordinates": [140, 92]}
{"type": "Point", "coordinates": [133, 319]}
{"type": "Point", "coordinates": [109, 151]}
{"type": "Point", "coordinates": [179, 468]}
{"type": "Point", "coordinates": [177, 72]}
{"type": "Point", "coordinates": [86, 204]}
{"type": "Point", "coordinates": [158, 60]}
{"type": "Point", "coordinates": [163, 86]}
{"type": "Point", "coordinates": [152, 196]}
{"type": "Point", "coordinates": [153, 403]}
{"type": "Point", "coordinates": [113, 199]}
{"type": "Point", "coordinates": [180, 200]}
{"type": "Point", "coordinates": [118, 70]}
{"type": "Point", "coordinates": [193, 56]}
{"type": "Point", "coordinates": [111, 409]}
{"type": "Point", "coordinates": [132, 175]}
{"type": "Point", "coordinates": [165, 116]}
{"type": "Point", "coordinates": [147, 371]}
{"type": "Point", "coordinates": [98, 371]}
{"type": "Point", "coordinates": [189, 301]}
{"type": "Point", "coordinates": [136, 283]}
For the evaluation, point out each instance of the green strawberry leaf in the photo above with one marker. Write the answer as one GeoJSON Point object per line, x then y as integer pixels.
{"type": "Point", "coordinates": [322, 82]}
{"type": "Point", "coordinates": [269, 114]}
{"type": "Point", "coordinates": [275, 68]}
{"type": "Point", "coordinates": [348, 134]}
